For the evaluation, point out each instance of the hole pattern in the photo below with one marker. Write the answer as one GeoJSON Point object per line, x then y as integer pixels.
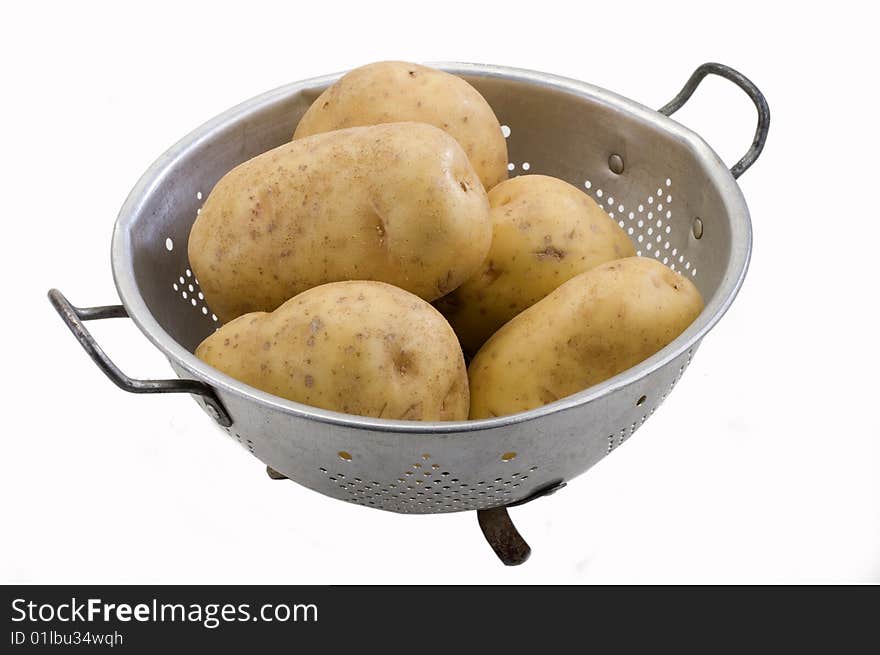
{"type": "Point", "coordinates": [649, 225]}
{"type": "Point", "coordinates": [427, 486]}
{"type": "Point", "coordinates": [524, 166]}
{"type": "Point", "coordinates": [244, 441]}
{"type": "Point", "coordinates": [681, 370]}
{"type": "Point", "coordinates": [616, 439]}
{"type": "Point", "coordinates": [186, 286]}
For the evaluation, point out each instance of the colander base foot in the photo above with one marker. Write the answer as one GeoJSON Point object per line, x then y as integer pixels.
{"type": "Point", "coordinates": [275, 475]}
{"type": "Point", "coordinates": [502, 536]}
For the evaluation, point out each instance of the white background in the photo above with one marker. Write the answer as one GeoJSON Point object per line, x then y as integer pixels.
{"type": "Point", "coordinates": [763, 466]}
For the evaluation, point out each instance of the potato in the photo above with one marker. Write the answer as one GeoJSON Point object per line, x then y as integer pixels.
{"type": "Point", "coordinates": [393, 91]}
{"type": "Point", "coordinates": [545, 231]}
{"type": "Point", "coordinates": [591, 328]}
{"type": "Point", "coordinates": [360, 347]}
{"type": "Point", "coordinates": [398, 203]}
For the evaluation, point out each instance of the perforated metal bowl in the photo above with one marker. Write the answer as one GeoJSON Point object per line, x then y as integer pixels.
{"type": "Point", "coordinates": [670, 192]}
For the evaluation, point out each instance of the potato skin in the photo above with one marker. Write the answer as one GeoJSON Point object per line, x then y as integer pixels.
{"type": "Point", "coordinates": [360, 347]}
{"type": "Point", "coordinates": [591, 328]}
{"type": "Point", "coordinates": [392, 91]}
{"type": "Point", "coordinates": [545, 231]}
{"type": "Point", "coordinates": [398, 203]}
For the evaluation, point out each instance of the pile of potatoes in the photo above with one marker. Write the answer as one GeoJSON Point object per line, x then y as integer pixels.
{"type": "Point", "coordinates": [322, 258]}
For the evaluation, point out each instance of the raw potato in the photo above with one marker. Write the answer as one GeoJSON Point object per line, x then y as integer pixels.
{"type": "Point", "coordinates": [591, 328]}
{"type": "Point", "coordinates": [398, 203]}
{"type": "Point", "coordinates": [545, 231]}
{"type": "Point", "coordinates": [392, 91]}
{"type": "Point", "coordinates": [364, 348]}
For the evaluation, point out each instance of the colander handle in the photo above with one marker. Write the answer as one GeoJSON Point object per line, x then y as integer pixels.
{"type": "Point", "coordinates": [74, 317]}
{"type": "Point", "coordinates": [750, 89]}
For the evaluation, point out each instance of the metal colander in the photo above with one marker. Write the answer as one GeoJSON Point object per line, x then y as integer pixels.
{"type": "Point", "coordinates": [661, 182]}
